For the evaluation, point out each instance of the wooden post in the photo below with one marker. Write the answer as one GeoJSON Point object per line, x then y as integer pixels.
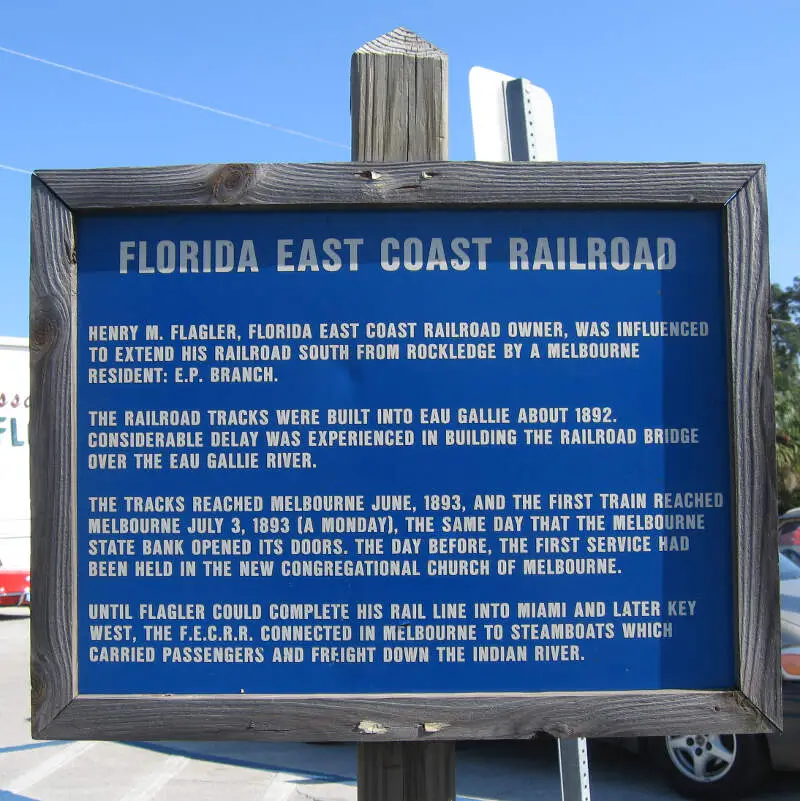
{"type": "Point", "coordinates": [407, 771]}
{"type": "Point", "coordinates": [398, 100]}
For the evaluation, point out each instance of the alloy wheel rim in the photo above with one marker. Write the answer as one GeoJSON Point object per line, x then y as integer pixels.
{"type": "Point", "coordinates": [703, 757]}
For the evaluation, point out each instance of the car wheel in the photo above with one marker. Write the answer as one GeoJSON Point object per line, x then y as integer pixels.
{"type": "Point", "coordinates": [712, 766]}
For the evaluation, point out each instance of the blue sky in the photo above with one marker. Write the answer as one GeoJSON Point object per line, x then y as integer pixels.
{"type": "Point", "coordinates": [699, 80]}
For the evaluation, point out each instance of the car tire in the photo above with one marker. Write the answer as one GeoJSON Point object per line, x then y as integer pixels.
{"type": "Point", "coordinates": [712, 766]}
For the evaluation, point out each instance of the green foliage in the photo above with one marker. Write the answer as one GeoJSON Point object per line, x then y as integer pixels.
{"type": "Point", "coordinates": [786, 366]}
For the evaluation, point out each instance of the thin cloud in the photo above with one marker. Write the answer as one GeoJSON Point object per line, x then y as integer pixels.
{"type": "Point", "coordinates": [14, 169]}
{"type": "Point", "coordinates": [171, 98]}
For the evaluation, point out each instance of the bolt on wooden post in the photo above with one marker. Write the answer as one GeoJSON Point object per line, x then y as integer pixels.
{"type": "Point", "coordinates": [398, 100]}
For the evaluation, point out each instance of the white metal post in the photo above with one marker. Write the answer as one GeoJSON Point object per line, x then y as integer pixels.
{"type": "Point", "coordinates": [513, 120]}
{"type": "Point", "coordinates": [573, 764]}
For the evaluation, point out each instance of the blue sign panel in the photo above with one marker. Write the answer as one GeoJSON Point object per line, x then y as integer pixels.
{"type": "Point", "coordinates": [403, 451]}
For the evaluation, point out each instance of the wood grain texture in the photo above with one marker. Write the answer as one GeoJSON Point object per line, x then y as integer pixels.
{"type": "Point", "coordinates": [407, 718]}
{"type": "Point", "coordinates": [752, 407]}
{"type": "Point", "coordinates": [407, 772]}
{"type": "Point", "coordinates": [398, 99]}
{"type": "Point", "coordinates": [736, 190]}
{"type": "Point", "coordinates": [52, 298]}
{"type": "Point", "coordinates": [453, 184]}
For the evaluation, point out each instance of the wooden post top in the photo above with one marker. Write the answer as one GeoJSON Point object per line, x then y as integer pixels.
{"type": "Point", "coordinates": [402, 42]}
{"type": "Point", "coordinates": [398, 99]}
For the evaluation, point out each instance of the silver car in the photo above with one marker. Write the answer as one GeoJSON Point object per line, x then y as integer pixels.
{"type": "Point", "coordinates": [728, 766]}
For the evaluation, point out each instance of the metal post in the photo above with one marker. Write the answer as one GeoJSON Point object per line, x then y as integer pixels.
{"type": "Point", "coordinates": [573, 764]}
{"type": "Point", "coordinates": [513, 121]}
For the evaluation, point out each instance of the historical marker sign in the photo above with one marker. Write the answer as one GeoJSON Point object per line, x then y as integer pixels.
{"type": "Point", "coordinates": [327, 453]}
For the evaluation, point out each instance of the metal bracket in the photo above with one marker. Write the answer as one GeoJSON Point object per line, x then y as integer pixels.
{"type": "Point", "coordinates": [512, 119]}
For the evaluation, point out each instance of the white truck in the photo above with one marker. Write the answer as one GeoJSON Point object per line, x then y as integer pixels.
{"type": "Point", "coordinates": [15, 510]}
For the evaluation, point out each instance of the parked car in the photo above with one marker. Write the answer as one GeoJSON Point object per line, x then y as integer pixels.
{"type": "Point", "coordinates": [789, 534]}
{"type": "Point", "coordinates": [15, 587]}
{"type": "Point", "coordinates": [728, 766]}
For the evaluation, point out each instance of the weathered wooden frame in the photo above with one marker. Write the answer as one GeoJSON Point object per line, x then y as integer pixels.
{"type": "Point", "coordinates": [59, 197]}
